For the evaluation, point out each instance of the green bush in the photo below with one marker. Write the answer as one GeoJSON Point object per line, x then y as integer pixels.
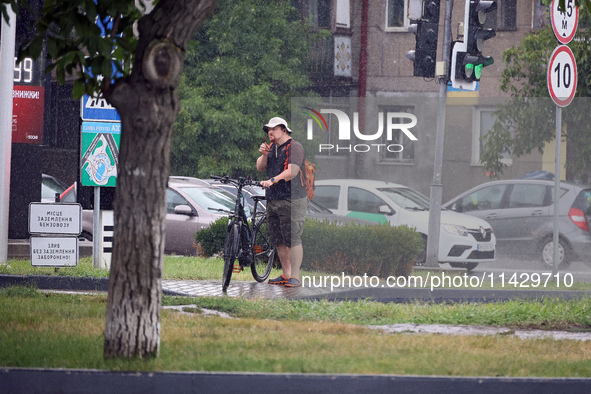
{"type": "Point", "coordinates": [212, 239]}
{"type": "Point", "coordinates": [355, 249]}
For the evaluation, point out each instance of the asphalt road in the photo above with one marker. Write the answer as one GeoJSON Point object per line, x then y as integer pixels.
{"type": "Point", "coordinates": [16, 380]}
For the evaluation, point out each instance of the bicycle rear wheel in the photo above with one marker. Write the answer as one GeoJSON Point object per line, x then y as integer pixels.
{"type": "Point", "coordinates": [230, 253]}
{"type": "Point", "coordinates": [264, 252]}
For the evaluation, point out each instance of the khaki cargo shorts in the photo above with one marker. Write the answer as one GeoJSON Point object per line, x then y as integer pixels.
{"type": "Point", "coordinates": [285, 221]}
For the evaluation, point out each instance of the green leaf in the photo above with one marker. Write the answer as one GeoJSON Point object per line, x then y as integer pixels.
{"type": "Point", "coordinates": [36, 47]}
{"type": "Point", "coordinates": [79, 89]}
{"type": "Point", "coordinates": [107, 68]}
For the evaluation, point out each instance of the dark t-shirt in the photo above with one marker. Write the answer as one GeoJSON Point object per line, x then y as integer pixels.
{"type": "Point", "coordinates": [277, 160]}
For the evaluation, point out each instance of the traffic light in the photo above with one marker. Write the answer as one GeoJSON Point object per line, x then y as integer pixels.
{"type": "Point", "coordinates": [426, 31]}
{"type": "Point", "coordinates": [431, 11]}
{"type": "Point", "coordinates": [467, 59]}
{"type": "Point", "coordinates": [469, 67]}
{"type": "Point", "coordinates": [477, 34]}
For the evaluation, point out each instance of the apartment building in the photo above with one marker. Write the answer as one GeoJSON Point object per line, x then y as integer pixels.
{"type": "Point", "coordinates": [368, 46]}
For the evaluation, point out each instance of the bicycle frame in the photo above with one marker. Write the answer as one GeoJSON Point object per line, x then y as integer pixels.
{"type": "Point", "coordinates": [241, 238]}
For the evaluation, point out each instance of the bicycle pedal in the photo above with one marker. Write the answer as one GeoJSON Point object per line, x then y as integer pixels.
{"type": "Point", "coordinates": [237, 269]}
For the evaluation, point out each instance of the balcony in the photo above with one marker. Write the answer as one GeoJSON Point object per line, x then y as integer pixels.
{"type": "Point", "coordinates": [322, 58]}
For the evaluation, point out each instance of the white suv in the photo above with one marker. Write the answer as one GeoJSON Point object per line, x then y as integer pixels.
{"type": "Point", "coordinates": [464, 240]}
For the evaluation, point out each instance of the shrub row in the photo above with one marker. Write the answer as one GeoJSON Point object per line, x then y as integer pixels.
{"type": "Point", "coordinates": [212, 238]}
{"type": "Point", "coordinates": [353, 249]}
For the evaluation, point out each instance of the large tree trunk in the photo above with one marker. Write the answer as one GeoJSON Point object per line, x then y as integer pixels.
{"type": "Point", "coordinates": [148, 103]}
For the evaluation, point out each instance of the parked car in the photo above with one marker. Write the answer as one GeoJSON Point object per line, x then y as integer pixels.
{"type": "Point", "coordinates": [521, 212]}
{"type": "Point", "coordinates": [315, 210]}
{"type": "Point", "coordinates": [191, 205]}
{"type": "Point", "coordinates": [319, 212]}
{"type": "Point", "coordinates": [465, 241]}
{"type": "Point", "coordinates": [50, 186]}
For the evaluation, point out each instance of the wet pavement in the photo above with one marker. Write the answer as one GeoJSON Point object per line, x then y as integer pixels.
{"type": "Point", "coordinates": [240, 289]}
{"type": "Point", "coordinates": [380, 292]}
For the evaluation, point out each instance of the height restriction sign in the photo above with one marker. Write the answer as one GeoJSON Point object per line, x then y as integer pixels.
{"type": "Point", "coordinates": [564, 23]}
{"type": "Point", "coordinates": [562, 76]}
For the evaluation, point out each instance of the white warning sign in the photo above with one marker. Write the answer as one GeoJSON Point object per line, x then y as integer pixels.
{"type": "Point", "coordinates": [97, 108]}
{"type": "Point", "coordinates": [54, 251]}
{"type": "Point", "coordinates": [55, 218]}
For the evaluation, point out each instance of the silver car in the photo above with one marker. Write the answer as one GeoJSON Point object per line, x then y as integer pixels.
{"type": "Point", "coordinates": [521, 212]}
{"type": "Point", "coordinates": [191, 205]}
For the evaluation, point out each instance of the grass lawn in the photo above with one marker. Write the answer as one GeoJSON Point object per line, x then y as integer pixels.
{"type": "Point", "coordinates": [66, 331]}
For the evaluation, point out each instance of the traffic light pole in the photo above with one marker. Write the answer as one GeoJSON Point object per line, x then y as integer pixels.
{"type": "Point", "coordinates": [436, 197]}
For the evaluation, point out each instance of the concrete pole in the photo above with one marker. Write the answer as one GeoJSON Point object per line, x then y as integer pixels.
{"type": "Point", "coordinates": [437, 187]}
{"type": "Point", "coordinates": [7, 49]}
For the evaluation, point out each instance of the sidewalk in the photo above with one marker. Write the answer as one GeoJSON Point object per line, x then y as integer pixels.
{"type": "Point", "coordinates": [256, 290]}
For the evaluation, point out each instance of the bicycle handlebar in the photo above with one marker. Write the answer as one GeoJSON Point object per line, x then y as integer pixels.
{"type": "Point", "coordinates": [241, 181]}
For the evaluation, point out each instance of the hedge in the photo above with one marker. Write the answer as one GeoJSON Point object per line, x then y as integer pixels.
{"type": "Point", "coordinates": [356, 249]}
{"type": "Point", "coordinates": [353, 249]}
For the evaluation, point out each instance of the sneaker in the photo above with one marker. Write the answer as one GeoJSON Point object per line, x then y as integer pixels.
{"type": "Point", "coordinates": [281, 280]}
{"type": "Point", "coordinates": [293, 282]}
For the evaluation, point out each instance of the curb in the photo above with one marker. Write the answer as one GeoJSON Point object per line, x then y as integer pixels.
{"type": "Point", "coordinates": [67, 283]}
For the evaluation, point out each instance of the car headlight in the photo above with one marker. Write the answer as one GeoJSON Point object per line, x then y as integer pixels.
{"type": "Point", "coordinates": [457, 230]}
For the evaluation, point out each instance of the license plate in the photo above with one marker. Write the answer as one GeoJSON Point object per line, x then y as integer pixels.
{"type": "Point", "coordinates": [485, 247]}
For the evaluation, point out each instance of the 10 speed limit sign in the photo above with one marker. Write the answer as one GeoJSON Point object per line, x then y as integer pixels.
{"type": "Point", "coordinates": [562, 76]}
{"type": "Point", "coordinates": [562, 68]}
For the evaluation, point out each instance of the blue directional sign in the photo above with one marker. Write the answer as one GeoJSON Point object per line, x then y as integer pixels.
{"type": "Point", "coordinates": [97, 108]}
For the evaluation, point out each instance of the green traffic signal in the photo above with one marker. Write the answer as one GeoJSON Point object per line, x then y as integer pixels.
{"type": "Point", "coordinates": [469, 70]}
{"type": "Point", "coordinates": [473, 66]}
{"type": "Point", "coordinates": [473, 71]}
{"type": "Point", "coordinates": [478, 71]}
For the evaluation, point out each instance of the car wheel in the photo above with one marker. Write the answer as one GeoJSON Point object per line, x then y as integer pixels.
{"type": "Point", "coordinates": [468, 266]}
{"type": "Point", "coordinates": [547, 253]}
{"type": "Point", "coordinates": [421, 259]}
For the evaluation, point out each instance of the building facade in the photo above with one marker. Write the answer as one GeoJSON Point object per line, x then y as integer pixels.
{"type": "Point", "coordinates": [379, 73]}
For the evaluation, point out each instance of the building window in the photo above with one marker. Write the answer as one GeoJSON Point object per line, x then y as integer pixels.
{"type": "Point", "coordinates": [319, 13]}
{"type": "Point", "coordinates": [343, 18]}
{"type": "Point", "coordinates": [396, 18]}
{"type": "Point", "coordinates": [483, 122]}
{"type": "Point", "coordinates": [400, 149]}
{"type": "Point", "coordinates": [504, 17]}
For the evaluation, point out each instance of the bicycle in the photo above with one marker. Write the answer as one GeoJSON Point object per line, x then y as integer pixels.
{"type": "Point", "coordinates": [246, 242]}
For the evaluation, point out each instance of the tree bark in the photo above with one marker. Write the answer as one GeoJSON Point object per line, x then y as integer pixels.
{"type": "Point", "coordinates": [148, 103]}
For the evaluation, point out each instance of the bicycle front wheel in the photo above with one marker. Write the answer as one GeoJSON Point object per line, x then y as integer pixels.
{"type": "Point", "coordinates": [230, 253]}
{"type": "Point", "coordinates": [264, 252]}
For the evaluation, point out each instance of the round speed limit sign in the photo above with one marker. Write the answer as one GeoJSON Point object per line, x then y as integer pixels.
{"type": "Point", "coordinates": [562, 76]}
